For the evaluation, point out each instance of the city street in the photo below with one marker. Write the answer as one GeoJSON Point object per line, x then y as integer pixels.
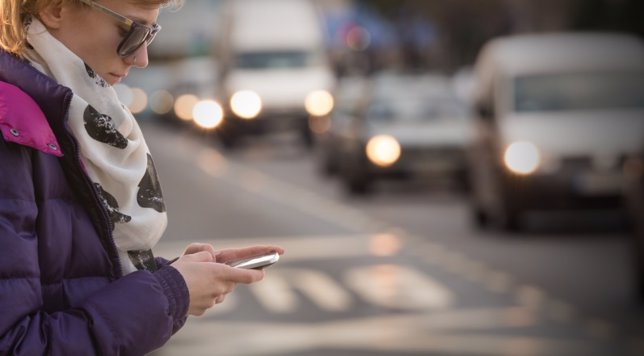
{"type": "Point", "coordinates": [399, 272]}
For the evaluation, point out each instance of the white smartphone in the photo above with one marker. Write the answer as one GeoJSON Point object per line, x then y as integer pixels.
{"type": "Point", "coordinates": [256, 262]}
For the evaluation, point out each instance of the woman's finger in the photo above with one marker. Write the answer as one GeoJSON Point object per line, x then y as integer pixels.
{"type": "Point", "coordinates": [201, 256]}
{"type": "Point", "coordinates": [198, 247]}
{"type": "Point", "coordinates": [239, 253]}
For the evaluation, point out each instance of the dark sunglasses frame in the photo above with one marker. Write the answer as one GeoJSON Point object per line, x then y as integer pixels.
{"type": "Point", "coordinates": [137, 35]}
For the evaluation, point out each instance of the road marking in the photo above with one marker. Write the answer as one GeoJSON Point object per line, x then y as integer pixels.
{"type": "Point", "coordinates": [530, 296]}
{"type": "Point", "coordinates": [276, 291]}
{"type": "Point", "coordinates": [561, 312]}
{"type": "Point", "coordinates": [462, 332]}
{"type": "Point", "coordinates": [398, 287]}
{"type": "Point", "coordinates": [322, 289]}
{"type": "Point", "coordinates": [218, 166]}
{"type": "Point", "coordinates": [498, 282]}
{"type": "Point", "coordinates": [308, 248]}
{"type": "Point", "coordinates": [275, 294]}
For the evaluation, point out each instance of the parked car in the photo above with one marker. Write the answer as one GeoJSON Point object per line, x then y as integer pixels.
{"type": "Point", "coordinates": [411, 126]}
{"type": "Point", "coordinates": [634, 199]}
{"type": "Point", "coordinates": [274, 73]}
{"type": "Point", "coordinates": [557, 114]}
{"type": "Point", "coordinates": [349, 98]}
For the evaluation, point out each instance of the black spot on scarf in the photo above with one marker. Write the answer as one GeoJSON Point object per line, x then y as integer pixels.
{"type": "Point", "coordinates": [97, 79]}
{"type": "Point", "coordinates": [149, 195]}
{"type": "Point", "coordinates": [101, 128]}
{"type": "Point", "coordinates": [112, 206]}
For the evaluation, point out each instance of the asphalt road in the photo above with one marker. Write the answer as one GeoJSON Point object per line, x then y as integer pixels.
{"type": "Point", "coordinates": [400, 272]}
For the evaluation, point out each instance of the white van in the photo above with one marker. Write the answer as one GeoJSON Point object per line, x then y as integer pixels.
{"type": "Point", "coordinates": [558, 114]}
{"type": "Point", "coordinates": [274, 71]}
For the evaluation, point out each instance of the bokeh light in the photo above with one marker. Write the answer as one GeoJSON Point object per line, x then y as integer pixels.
{"type": "Point", "coordinates": [184, 105]}
{"type": "Point", "coordinates": [207, 114]}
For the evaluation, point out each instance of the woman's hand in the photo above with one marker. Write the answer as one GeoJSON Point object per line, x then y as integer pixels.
{"type": "Point", "coordinates": [228, 255]}
{"type": "Point", "coordinates": [197, 247]}
{"type": "Point", "coordinates": [209, 279]}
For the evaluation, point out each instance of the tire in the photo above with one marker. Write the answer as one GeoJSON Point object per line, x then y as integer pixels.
{"type": "Point", "coordinates": [640, 284]}
{"type": "Point", "coordinates": [329, 167]}
{"type": "Point", "coordinates": [358, 187]}
{"type": "Point", "coordinates": [307, 137]}
{"type": "Point", "coordinates": [509, 211]}
{"type": "Point", "coordinates": [228, 136]}
{"type": "Point", "coordinates": [480, 218]}
{"type": "Point", "coordinates": [356, 181]}
{"type": "Point", "coordinates": [509, 221]}
{"type": "Point", "coordinates": [228, 141]}
{"type": "Point", "coordinates": [327, 160]}
{"type": "Point", "coordinates": [638, 261]}
{"type": "Point", "coordinates": [464, 181]}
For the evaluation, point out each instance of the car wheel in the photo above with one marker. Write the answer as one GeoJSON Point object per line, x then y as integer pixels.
{"type": "Point", "coordinates": [358, 187]}
{"type": "Point", "coordinates": [307, 137]}
{"type": "Point", "coordinates": [464, 181]}
{"type": "Point", "coordinates": [228, 139]}
{"type": "Point", "coordinates": [640, 282]}
{"type": "Point", "coordinates": [330, 168]}
{"type": "Point", "coordinates": [357, 182]}
{"type": "Point", "coordinates": [480, 217]}
{"type": "Point", "coordinates": [508, 209]}
{"type": "Point", "coordinates": [479, 212]}
{"type": "Point", "coordinates": [508, 220]}
{"type": "Point", "coordinates": [638, 249]}
{"type": "Point", "coordinates": [326, 168]}
{"type": "Point", "coordinates": [328, 165]}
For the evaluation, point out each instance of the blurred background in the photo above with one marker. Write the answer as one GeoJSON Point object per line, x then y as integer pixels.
{"type": "Point", "coordinates": [448, 177]}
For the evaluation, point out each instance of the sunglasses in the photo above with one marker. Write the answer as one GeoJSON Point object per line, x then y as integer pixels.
{"type": "Point", "coordinates": [137, 34]}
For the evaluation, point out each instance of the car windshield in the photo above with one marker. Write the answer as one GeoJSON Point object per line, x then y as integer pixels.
{"type": "Point", "coordinates": [274, 59]}
{"type": "Point", "coordinates": [579, 91]}
{"type": "Point", "coordinates": [416, 108]}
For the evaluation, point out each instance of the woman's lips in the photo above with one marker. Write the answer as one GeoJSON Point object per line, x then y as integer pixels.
{"type": "Point", "coordinates": [117, 77]}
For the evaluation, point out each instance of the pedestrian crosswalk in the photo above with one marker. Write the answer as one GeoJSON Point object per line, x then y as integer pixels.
{"type": "Point", "coordinates": [474, 331]}
{"type": "Point", "coordinates": [406, 309]}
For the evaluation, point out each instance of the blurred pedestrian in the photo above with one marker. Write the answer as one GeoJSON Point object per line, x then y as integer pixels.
{"type": "Point", "coordinates": [80, 203]}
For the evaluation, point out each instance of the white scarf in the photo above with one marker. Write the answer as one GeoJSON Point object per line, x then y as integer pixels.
{"type": "Point", "coordinates": [112, 148]}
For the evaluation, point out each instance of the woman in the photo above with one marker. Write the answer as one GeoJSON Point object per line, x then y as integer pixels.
{"type": "Point", "coordinates": [80, 203]}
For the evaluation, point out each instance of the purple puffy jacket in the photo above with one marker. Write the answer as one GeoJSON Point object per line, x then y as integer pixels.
{"type": "Point", "coordinates": [61, 287]}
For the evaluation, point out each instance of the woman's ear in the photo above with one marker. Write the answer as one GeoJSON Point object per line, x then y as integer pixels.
{"type": "Point", "coordinates": [51, 14]}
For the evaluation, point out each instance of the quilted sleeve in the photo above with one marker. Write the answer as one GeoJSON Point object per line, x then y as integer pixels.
{"type": "Point", "coordinates": [130, 316]}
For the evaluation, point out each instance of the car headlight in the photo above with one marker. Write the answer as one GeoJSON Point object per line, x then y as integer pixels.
{"type": "Point", "coordinates": [135, 99]}
{"type": "Point", "coordinates": [383, 150]}
{"type": "Point", "coordinates": [183, 106]}
{"type": "Point", "coordinates": [319, 103]}
{"type": "Point", "coordinates": [161, 102]}
{"type": "Point", "coordinates": [246, 104]}
{"type": "Point", "coordinates": [522, 157]}
{"type": "Point", "coordinates": [207, 114]}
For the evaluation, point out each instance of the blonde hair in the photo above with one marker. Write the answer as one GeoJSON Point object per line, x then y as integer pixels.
{"type": "Point", "coordinates": [14, 12]}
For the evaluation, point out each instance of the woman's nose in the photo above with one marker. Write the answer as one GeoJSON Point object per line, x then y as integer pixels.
{"type": "Point", "coordinates": [139, 58]}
